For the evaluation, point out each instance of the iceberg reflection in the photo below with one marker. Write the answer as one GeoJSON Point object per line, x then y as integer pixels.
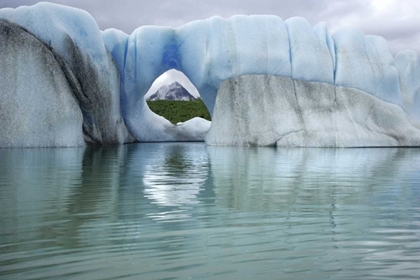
{"type": "Point", "coordinates": [174, 179]}
{"type": "Point", "coordinates": [277, 179]}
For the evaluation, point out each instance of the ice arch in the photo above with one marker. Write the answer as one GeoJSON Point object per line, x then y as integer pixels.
{"type": "Point", "coordinates": [207, 52]}
{"type": "Point", "coordinates": [141, 58]}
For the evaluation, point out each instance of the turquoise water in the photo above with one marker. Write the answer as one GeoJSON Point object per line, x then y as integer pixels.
{"type": "Point", "coordinates": [187, 211]}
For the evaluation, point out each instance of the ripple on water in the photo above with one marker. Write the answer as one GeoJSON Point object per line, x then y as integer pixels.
{"type": "Point", "coordinates": [164, 211]}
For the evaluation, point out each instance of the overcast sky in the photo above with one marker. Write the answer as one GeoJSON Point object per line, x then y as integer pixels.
{"type": "Point", "coordinates": [398, 21]}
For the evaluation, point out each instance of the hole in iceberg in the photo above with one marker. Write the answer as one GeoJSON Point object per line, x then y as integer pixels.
{"type": "Point", "coordinates": [174, 97]}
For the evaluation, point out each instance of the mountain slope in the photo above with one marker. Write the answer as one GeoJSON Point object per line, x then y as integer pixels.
{"type": "Point", "coordinates": [174, 91]}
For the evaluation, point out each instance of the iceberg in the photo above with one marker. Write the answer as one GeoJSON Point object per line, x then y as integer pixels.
{"type": "Point", "coordinates": [75, 37]}
{"type": "Point", "coordinates": [109, 72]}
{"type": "Point", "coordinates": [264, 110]}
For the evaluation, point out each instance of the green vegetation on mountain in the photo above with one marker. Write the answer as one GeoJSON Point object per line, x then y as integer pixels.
{"type": "Point", "coordinates": [179, 111]}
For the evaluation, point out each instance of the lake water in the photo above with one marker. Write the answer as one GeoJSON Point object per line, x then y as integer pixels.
{"type": "Point", "coordinates": [187, 211]}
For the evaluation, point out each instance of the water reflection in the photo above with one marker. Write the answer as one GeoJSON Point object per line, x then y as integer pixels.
{"type": "Point", "coordinates": [186, 210]}
{"type": "Point", "coordinates": [351, 212]}
{"type": "Point", "coordinates": [34, 187]}
{"type": "Point", "coordinates": [175, 178]}
{"type": "Point", "coordinates": [277, 179]}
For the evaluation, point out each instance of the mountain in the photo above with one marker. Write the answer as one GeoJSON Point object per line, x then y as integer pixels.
{"type": "Point", "coordinates": [174, 91]}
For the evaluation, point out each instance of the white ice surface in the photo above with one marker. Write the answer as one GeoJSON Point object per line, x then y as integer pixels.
{"type": "Point", "coordinates": [63, 27]}
{"type": "Point", "coordinates": [53, 24]}
{"type": "Point", "coordinates": [408, 65]}
{"type": "Point", "coordinates": [116, 42]}
{"type": "Point", "coordinates": [310, 56]}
